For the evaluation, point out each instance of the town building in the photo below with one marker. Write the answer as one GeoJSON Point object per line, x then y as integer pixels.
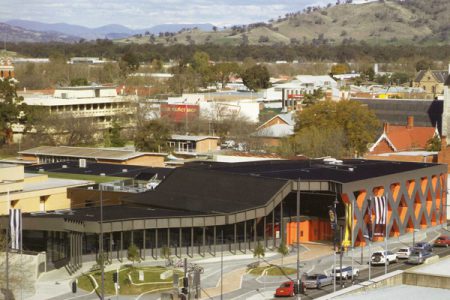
{"type": "Point", "coordinates": [193, 145]}
{"type": "Point", "coordinates": [100, 103]}
{"type": "Point", "coordinates": [33, 192]}
{"type": "Point", "coordinates": [6, 68]}
{"type": "Point", "coordinates": [52, 154]}
{"type": "Point", "coordinates": [271, 132]}
{"type": "Point", "coordinates": [249, 203]}
{"type": "Point", "coordinates": [431, 81]}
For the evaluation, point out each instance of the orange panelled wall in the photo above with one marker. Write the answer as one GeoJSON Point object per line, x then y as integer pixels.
{"type": "Point", "coordinates": [310, 230]}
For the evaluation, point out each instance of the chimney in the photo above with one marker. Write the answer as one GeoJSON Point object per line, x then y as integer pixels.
{"type": "Point", "coordinates": [386, 127]}
{"type": "Point", "coordinates": [410, 123]}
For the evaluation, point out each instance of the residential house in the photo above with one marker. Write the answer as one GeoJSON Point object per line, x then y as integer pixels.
{"type": "Point", "coordinates": [271, 132]}
{"type": "Point", "coordinates": [403, 138]}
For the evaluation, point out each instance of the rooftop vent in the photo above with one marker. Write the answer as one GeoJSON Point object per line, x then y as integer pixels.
{"type": "Point", "coordinates": [82, 163]}
{"type": "Point", "coordinates": [102, 174]}
{"type": "Point", "coordinates": [124, 170]}
{"type": "Point", "coordinates": [64, 166]}
{"type": "Point", "coordinates": [41, 170]}
{"type": "Point", "coordinates": [332, 161]}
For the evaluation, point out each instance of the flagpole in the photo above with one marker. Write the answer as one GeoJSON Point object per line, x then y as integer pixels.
{"type": "Point", "coordinates": [385, 235]}
{"type": "Point", "coordinates": [370, 239]}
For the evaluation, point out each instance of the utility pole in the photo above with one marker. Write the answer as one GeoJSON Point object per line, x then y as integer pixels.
{"type": "Point", "coordinates": [221, 267]}
{"type": "Point", "coordinates": [102, 258]}
{"type": "Point", "coordinates": [340, 255]}
{"type": "Point", "coordinates": [298, 238]}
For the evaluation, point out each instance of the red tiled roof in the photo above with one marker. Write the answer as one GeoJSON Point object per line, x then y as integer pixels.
{"type": "Point", "coordinates": [406, 139]}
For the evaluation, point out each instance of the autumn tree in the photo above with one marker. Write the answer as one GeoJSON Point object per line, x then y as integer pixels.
{"type": "Point", "coordinates": [358, 124]}
{"type": "Point", "coordinates": [224, 70]}
{"type": "Point", "coordinates": [256, 77]}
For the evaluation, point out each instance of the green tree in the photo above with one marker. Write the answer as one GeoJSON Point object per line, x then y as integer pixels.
{"type": "Point", "coordinates": [256, 77]}
{"type": "Point", "coordinates": [115, 138]}
{"type": "Point", "coordinates": [357, 122]}
{"type": "Point", "coordinates": [200, 64]}
{"type": "Point", "coordinates": [129, 62]}
{"type": "Point", "coordinates": [133, 254]}
{"type": "Point", "coordinates": [434, 144]}
{"type": "Point", "coordinates": [223, 71]}
{"type": "Point", "coordinates": [78, 82]}
{"type": "Point", "coordinates": [424, 64]}
{"type": "Point", "coordinates": [152, 136]}
{"type": "Point", "coordinates": [283, 250]}
{"type": "Point", "coordinates": [259, 251]}
{"type": "Point", "coordinates": [165, 252]}
{"type": "Point", "coordinates": [316, 95]}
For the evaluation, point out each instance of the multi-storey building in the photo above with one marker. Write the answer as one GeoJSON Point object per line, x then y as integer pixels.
{"type": "Point", "coordinates": [6, 68]}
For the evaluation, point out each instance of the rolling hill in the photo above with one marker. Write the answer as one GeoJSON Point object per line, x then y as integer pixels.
{"type": "Point", "coordinates": [11, 33]}
{"type": "Point", "coordinates": [393, 21]}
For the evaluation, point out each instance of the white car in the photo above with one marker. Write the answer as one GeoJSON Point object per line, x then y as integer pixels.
{"type": "Point", "coordinates": [383, 257]}
{"type": "Point", "coordinates": [403, 253]}
{"type": "Point", "coordinates": [346, 272]}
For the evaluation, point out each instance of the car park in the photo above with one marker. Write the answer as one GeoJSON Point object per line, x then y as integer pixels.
{"type": "Point", "coordinates": [403, 253]}
{"type": "Point", "coordinates": [383, 257]}
{"type": "Point", "coordinates": [442, 241]}
{"type": "Point", "coordinates": [316, 281]}
{"type": "Point", "coordinates": [423, 246]}
{"type": "Point", "coordinates": [418, 256]}
{"type": "Point", "coordinates": [345, 272]}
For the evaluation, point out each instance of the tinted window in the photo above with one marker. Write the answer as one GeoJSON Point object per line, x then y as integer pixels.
{"type": "Point", "coordinates": [312, 277]}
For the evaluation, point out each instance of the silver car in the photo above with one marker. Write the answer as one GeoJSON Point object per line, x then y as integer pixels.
{"type": "Point", "coordinates": [418, 256]}
{"type": "Point", "coordinates": [316, 281]}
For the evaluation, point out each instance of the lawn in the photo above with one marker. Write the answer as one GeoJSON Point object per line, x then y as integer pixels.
{"type": "Point", "coordinates": [273, 271]}
{"type": "Point", "coordinates": [152, 281]}
{"type": "Point", "coordinates": [97, 179]}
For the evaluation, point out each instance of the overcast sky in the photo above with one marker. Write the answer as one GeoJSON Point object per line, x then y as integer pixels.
{"type": "Point", "coordinates": [146, 13]}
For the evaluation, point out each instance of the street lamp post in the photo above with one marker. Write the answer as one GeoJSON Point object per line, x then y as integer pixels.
{"type": "Point", "coordinates": [102, 258]}
{"type": "Point", "coordinates": [298, 237]}
{"type": "Point", "coordinates": [334, 242]}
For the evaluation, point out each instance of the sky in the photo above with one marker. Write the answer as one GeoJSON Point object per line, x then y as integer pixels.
{"type": "Point", "coordinates": [147, 13]}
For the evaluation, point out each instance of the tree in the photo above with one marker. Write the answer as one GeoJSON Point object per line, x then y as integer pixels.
{"type": "Point", "coordinates": [115, 139]}
{"type": "Point", "coordinates": [310, 99]}
{"type": "Point", "coordinates": [133, 254]}
{"type": "Point", "coordinates": [129, 62]}
{"type": "Point", "coordinates": [151, 136]}
{"type": "Point", "coordinates": [259, 251]}
{"type": "Point", "coordinates": [223, 71]}
{"type": "Point", "coordinates": [434, 144]}
{"type": "Point", "coordinates": [12, 111]}
{"type": "Point", "coordinates": [357, 122]}
{"type": "Point", "coordinates": [340, 69]}
{"type": "Point", "coordinates": [165, 253]}
{"type": "Point", "coordinates": [424, 64]}
{"type": "Point", "coordinates": [283, 251]}
{"type": "Point", "coordinates": [200, 64]}
{"type": "Point", "coordinates": [78, 82]}
{"type": "Point", "coordinates": [256, 77]}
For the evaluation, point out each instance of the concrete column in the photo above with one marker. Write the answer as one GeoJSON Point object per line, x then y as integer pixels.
{"type": "Point", "coordinates": [214, 241]}
{"type": "Point", "coordinates": [274, 240]}
{"type": "Point", "coordinates": [255, 234]}
{"type": "Point", "coordinates": [132, 236]}
{"type": "Point", "coordinates": [168, 237]}
{"type": "Point", "coordinates": [143, 244]}
{"type": "Point", "coordinates": [245, 237]}
{"type": "Point", "coordinates": [281, 222]}
{"type": "Point", "coordinates": [204, 241]}
{"type": "Point", "coordinates": [121, 245]}
{"type": "Point", "coordinates": [235, 238]}
{"type": "Point", "coordinates": [180, 241]}
{"type": "Point", "coordinates": [156, 243]}
{"type": "Point", "coordinates": [111, 237]}
{"type": "Point", "coordinates": [264, 232]}
{"type": "Point", "coordinates": [192, 241]}
{"type": "Point", "coordinates": [71, 248]}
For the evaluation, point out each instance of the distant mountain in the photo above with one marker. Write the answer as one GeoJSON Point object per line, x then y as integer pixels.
{"type": "Point", "coordinates": [416, 22]}
{"type": "Point", "coordinates": [11, 33]}
{"type": "Point", "coordinates": [111, 31]}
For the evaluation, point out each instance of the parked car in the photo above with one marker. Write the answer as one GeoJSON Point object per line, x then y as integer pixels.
{"type": "Point", "coordinates": [423, 246]}
{"type": "Point", "coordinates": [383, 257]}
{"type": "Point", "coordinates": [404, 253]}
{"type": "Point", "coordinates": [287, 289]}
{"type": "Point", "coordinates": [442, 241]}
{"type": "Point", "coordinates": [418, 256]}
{"type": "Point", "coordinates": [316, 281]}
{"type": "Point", "coordinates": [345, 272]}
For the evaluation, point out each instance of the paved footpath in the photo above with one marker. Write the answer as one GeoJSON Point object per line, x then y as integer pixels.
{"type": "Point", "coordinates": [232, 281]}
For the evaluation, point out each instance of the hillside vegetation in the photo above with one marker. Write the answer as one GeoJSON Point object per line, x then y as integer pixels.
{"type": "Point", "coordinates": [388, 22]}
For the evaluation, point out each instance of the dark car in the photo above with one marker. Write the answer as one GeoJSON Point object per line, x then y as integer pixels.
{"type": "Point", "coordinates": [423, 246]}
{"type": "Point", "coordinates": [442, 241]}
{"type": "Point", "coordinates": [419, 256]}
